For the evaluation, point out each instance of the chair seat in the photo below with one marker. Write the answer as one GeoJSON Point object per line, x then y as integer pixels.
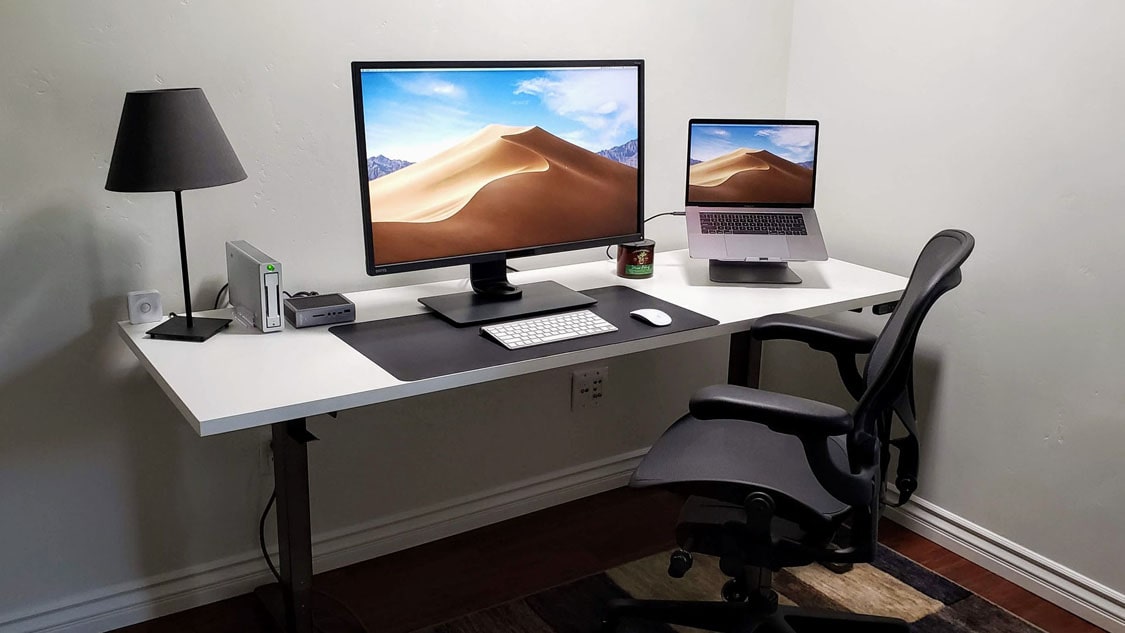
{"type": "Point", "coordinates": [742, 453]}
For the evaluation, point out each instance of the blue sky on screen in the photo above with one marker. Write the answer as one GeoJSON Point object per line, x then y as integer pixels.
{"type": "Point", "coordinates": [795, 143]}
{"type": "Point", "coordinates": [414, 114]}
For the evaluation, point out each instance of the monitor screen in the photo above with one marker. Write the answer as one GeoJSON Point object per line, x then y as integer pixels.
{"type": "Point", "coordinates": [751, 163]}
{"type": "Point", "coordinates": [461, 162]}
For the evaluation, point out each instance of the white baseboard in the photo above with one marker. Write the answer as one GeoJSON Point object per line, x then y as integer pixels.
{"type": "Point", "coordinates": [1045, 578]}
{"type": "Point", "coordinates": [137, 601]}
{"type": "Point", "coordinates": [399, 532]}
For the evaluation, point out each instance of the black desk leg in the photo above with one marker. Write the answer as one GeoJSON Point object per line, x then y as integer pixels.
{"type": "Point", "coordinates": [744, 365]}
{"type": "Point", "coordinates": [290, 602]}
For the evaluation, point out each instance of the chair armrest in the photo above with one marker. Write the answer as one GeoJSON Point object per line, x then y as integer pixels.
{"type": "Point", "coordinates": [818, 334]}
{"type": "Point", "coordinates": [778, 411]}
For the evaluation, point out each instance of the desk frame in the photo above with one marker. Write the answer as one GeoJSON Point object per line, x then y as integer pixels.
{"type": "Point", "coordinates": [217, 386]}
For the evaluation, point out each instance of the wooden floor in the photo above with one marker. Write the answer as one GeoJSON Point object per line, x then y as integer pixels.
{"type": "Point", "coordinates": [442, 580]}
{"type": "Point", "coordinates": [982, 582]}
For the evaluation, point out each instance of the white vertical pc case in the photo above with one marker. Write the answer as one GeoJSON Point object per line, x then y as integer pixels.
{"type": "Point", "coordinates": [255, 286]}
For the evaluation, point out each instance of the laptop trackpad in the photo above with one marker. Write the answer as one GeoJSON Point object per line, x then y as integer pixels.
{"type": "Point", "coordinates": [751, 247]}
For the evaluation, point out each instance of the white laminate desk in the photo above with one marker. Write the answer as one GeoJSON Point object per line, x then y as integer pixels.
{"type": "Point", "coordinates": [242, 379]}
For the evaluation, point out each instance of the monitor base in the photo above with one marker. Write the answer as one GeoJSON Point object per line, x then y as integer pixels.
{"type": "Point", "coordinates": [468, 308]}
{"type": "Point", "coordinates": [751, 272]}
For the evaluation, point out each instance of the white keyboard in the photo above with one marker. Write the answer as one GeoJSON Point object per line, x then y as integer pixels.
{"type": "Point", "coordinates": [547, 329]}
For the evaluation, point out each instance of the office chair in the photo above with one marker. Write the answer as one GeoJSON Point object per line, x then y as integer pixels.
{"type": "Point", "coordinates": [780, 481]}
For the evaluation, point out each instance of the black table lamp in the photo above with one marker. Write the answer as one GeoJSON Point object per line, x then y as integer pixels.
{"type": "Point", "coordinates": [170, 140]}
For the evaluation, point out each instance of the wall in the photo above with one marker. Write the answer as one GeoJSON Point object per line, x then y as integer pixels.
{"type": "Point", "coordinates": [108, 497]}
{"type": "Point", "coordinates": [1001, 118]}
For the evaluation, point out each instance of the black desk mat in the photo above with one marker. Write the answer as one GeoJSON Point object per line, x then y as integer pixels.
{"type": "Point", "coordinates": [424, 346]}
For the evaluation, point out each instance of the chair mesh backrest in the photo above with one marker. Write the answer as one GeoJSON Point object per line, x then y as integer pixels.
{"type": "Point", "coordinates": [937, 271]}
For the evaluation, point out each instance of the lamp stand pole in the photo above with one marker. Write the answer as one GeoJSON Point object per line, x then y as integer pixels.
{"type": "Point", "coordinates": [188, 328]}
{"type": "Point", "coordinates": [183, 258]}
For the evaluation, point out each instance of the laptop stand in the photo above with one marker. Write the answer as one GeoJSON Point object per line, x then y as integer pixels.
{"type": "Point", "coordinates": [727, 272]}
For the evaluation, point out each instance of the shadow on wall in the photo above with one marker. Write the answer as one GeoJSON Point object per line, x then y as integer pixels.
{"type": "Point", "coordinates": [108, 481]}
{"type": "Point", "coordinates": [928, 376]}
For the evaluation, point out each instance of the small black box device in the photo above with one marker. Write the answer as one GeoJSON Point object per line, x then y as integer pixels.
{"type": "Point", "coordinates": [319, 310]}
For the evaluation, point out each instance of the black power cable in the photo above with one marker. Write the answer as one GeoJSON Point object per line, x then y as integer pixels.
{"type": "Point", "coordinates": [262, 535]}
{"type": "Point", "coordinates": [680, 213]}
{"type": "Point", "coordinates": [219, 294]}
{"type": "Point", "coordinates": [277, 575]}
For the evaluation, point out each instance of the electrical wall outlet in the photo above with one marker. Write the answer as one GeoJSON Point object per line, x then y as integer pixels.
{"type": "Point", "coordinates": [588, 387]}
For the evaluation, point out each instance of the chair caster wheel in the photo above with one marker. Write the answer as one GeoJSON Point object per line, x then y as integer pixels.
{"type": "Point", "coordinates": [734, 591]}
{"type": "Point", "coordinates": [680, 563]}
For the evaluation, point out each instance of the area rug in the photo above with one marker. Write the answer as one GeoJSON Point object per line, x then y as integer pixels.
{"type": "Point", "coordinates": [892, 586]}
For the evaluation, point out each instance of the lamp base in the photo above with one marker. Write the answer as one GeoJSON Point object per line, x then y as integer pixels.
{"type": "Point", "coordinates": [176, 329]}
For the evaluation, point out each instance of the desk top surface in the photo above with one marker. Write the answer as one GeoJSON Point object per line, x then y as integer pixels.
{"type": "Point", "coordinates": [242, 378]}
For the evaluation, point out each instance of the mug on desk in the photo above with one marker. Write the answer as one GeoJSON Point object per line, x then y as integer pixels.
{"type": "Point", "coordinates": [635, 259]}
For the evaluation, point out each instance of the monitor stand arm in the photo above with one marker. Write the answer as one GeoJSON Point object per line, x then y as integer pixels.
{"type": "Point", "coordinates": [490, 279]}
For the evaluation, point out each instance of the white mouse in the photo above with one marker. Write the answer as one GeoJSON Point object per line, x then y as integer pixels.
{"type": "Point", "coordinates": [652, 316]}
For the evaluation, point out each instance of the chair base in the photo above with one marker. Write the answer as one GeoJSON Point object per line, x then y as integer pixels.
{"type": "Point", "coordinates": [733, 617]}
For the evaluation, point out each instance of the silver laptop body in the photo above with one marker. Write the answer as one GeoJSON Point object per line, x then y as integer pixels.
{"type": "Point", "coordinates": [750, 190]}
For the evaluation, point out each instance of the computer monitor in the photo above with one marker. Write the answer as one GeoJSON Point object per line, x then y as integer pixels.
{"type": "Point", "coordinates": [478, 162]}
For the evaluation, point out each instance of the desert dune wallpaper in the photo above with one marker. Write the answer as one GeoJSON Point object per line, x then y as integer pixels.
{"type": "Point", "coordinates": [758, 164]}
{"type": "Point", "coordinates": [471, 161]}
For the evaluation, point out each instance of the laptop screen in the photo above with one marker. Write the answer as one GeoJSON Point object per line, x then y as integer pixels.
{"type": "Point", "coordinates": [751, 163]}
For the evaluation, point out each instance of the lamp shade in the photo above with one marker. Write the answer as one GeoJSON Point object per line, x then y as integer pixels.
{"type": "Point", "coordinates": [170, 140]}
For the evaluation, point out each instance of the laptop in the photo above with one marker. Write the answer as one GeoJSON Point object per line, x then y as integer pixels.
{"type": "Point", "coordinates": [750, 191]}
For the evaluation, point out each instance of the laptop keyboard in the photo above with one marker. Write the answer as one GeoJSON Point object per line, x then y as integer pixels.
{"type": "Point", "coordinates": [752, 223]}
